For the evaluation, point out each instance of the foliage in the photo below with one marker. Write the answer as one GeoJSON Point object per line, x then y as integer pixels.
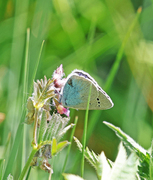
{"type": "Point", "coordinates": [112, 41]}
{"type": "Point", "coordinates": [136, 166]}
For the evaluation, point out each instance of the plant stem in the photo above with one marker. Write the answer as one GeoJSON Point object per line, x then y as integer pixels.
{"type": "Point", "coordinates": [68, 151]}
{"type": "Point", "coordinates": [85, 132]}
{"type": "Point", "coordinates": [28, 173]}
{"type": "Point", "coordinates": [118, 59]}
{"type": "Point", "coordinates": [36, 66]}
{"type": "Point", "coordinates": [35, 127]}
{"type": "Point", "coordinates": [27, 164]}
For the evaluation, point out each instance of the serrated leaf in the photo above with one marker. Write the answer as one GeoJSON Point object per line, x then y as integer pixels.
{"type": "Point", "coordinates": [49, 130]}
{"type": "Point", "coordinates": [129, 142]}
{"type": "Point", "coordinates": [151, 162]}
{"type": "Point", "coordinates": [119, 162]}
{"type": "Point", "coordinates": [62, 145]}
{"type": "Point", "coordinates": [43, 127]}
{"type": "Point", "coordinates": [10, 177]}
{"type": "Point", "coordinates": [143, 167]}
{"type": "Point", "coordinates": [78, 143]}
{"type": "Point", "coordinates": [55, 127]}
{"type": "Point", "coordinates": [61, 133]}
{"type": "Point", "coordinates": [102, 167]}
{"type": "Point", "coordinates": [72, 177]}
{"type": "Point", "coordinates": [90, 156]}
{"type": "Point", "coordinates": [54, 147]}
{"type": "Point", "coordinates": [123, 168]}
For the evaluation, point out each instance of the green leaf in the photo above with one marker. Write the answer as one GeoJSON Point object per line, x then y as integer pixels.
{"type": "Point", "coordinates": [10, 177]}
{"type": "Point", "coordinates": [63, 131]}
{"type": "Point", "coordinates": [89, 155]}
{"type": "Point", "coordinates": [54, 147]}
{"type": "Point", "coordinates": [43, 127]}
{"type": "Point", "coordinates": [124, 168]}
{"type": "Point", "coordinates": [78, 143]}
{"type": "Point", "coordinates": [56, 126]}
{"type": "Point", "coordinates": [102, 168]}
{"type": "Point", "coordinates": [72, 177]}
{"type": "Point", "coordinates": [2, 162]}
{"type": "Point", "coordinates": [49, 130]}
{"type": "Point", "coordinates": [58, 147]}
{"type": "Point", "coordinates": [62, 145]}
{"type": "Point", "coordinates": [151, 162]}
{"type": "Point", "coordinates": [129, 142]}
{"type": "Point", "coordinates": [144, 156]}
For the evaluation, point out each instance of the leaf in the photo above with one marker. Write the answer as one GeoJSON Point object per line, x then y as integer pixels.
{"type": "Point", "coordinates": [102, 168]}
{"type": "Point", "coordinates": [89, 155]}
{"type": "Point", "coordinates": [10, 177]}
{"type": "Point", "coordinates": [129, 142]}
{"type": "Point", "coordinates": [58, 147]}
{"type": "Point", "coordinates": [78, 143]}
{"type": "Point", "coordinates": [72, 177]}
{"type": "Point", "coordinates": [55, 127]}
{"type": "Point", "coordinates": [43, 127]}
{"type": "Point", "coordinates": [49, 130]}
{"type": "Point", "coordinates": [123, 168]}
{"type": "Point", "coordinates": [144, 156]}
{"type": "Point", "coordinates": [2, 162]}
{"type": "Point", "coordinates": [151, 162]}
{"type": "Point", "coordinates": [63, 131]}
{"type": "Point", "coordinates": [54, 147]}
{"type": "Point", "coordinates": [62, 145]}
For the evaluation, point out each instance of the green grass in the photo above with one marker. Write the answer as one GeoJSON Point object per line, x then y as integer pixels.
{"type": "Point", "coordinates": [108, 39]}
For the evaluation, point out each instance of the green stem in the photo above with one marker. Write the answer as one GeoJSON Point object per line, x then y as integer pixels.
{"type": "Point", "coordinates": [35, 149]}
{"type": "Point", "coordinates": [68, 151]}
{"type": "Point", "coordinates": [28, 173]}
{"type": "Point", "coordinates": [85, 133]}
{"type": "Point", "coordinates": [35, 128]}
{"type": "Point", "coordinates": [36, 66]}
{"type": "Point", "coordinates": [27, 164]}
{"type": "Point", "coordinates": [120, 52]}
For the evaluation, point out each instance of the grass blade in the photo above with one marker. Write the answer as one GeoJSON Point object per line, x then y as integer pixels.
{"type": "Point", "coordinates": [25, 91]}
{"type": "Point", "coordinates": [36, 67]}
{"type": "Point", "coordinates": [120, 53]}
{"type": "Point", "coordinates": [85, 133]}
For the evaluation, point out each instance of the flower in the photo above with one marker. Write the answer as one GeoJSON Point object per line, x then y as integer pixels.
{"type": "Point", "coordinates": [63, 110]}
{"type": "Point", "coordinates": [58, 73]}
{"type": "Point", "coordinates": [59, 81]}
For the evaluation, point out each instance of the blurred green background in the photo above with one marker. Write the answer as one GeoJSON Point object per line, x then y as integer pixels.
{"type": "Point", "coordinates": [97, 36]}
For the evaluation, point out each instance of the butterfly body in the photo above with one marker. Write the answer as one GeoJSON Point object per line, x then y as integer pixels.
{"type": "Point", "coordinates": [76, 91]}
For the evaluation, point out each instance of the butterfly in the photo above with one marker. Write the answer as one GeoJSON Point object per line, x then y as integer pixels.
{"type": "Point", "coordinates": [75, 92]}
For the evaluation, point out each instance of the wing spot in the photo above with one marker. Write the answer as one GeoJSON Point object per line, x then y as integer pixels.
{"type": "Point", "coordinates": [70, 82]}
{"type": "Point", "coordinates": [97, 99]}
{"type": "Point", "coordinates": [98, 105]}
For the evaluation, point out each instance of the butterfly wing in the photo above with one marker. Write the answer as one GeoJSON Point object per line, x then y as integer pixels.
{"type": "Point", "coordinates": [76, 91]}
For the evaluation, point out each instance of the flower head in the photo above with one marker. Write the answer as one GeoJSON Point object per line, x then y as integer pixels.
{"type": "Point", "coordinates": [59, 82]}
